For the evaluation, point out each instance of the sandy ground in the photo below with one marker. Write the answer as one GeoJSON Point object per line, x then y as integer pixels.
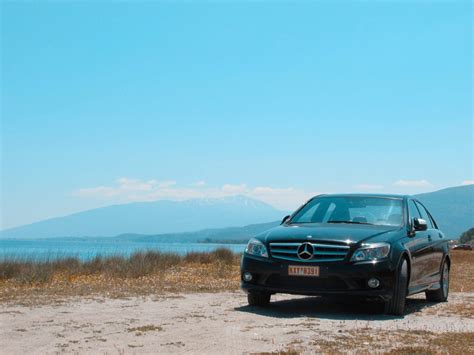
{"type": "Point", "coordinates": [214, 323]}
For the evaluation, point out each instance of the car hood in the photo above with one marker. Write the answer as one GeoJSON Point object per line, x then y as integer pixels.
{"type": "Point", "coordinates": [348, 233]}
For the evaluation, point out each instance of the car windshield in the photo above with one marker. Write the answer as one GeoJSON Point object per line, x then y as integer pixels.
{"type": "Point", "coordinates": [351, 210]}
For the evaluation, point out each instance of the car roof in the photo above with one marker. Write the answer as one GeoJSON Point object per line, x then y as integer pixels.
{"type": "Point", "coordinates": [365, 195]}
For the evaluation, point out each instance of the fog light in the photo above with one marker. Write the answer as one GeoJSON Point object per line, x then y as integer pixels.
{"type": "Point", "coordinates": [373, 283]}
{"type": "Point", "coordinates": [247, 276]}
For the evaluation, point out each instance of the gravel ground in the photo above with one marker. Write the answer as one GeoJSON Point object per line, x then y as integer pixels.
{"type": "Point", "coordinates": [223, 323]}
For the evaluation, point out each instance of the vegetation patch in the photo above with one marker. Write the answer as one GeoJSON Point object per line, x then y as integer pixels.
{"type": "Point", "coordinates": [467, 236]}
{"type": "Point", "coordinates": [388, 342]}
{"type": "Point", "coordinates": [462, 276]}
{"type": "Point", "coordinates": [143, 273]}
{"type": "Point", "coordinates": [146, 328]}
{"type": "Point", "coordinates": [151, 273]}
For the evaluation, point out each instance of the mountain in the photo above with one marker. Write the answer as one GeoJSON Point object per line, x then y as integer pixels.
{"type": "Point", "coordinates": [156, 217]}
{"type": "Point", "coordinates": [452, 208]}
{"type": "Point", "coordinates": [215, 235]}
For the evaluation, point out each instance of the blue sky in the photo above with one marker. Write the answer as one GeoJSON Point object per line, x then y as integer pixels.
{"type": "Point", "coordinates": [114, 102]}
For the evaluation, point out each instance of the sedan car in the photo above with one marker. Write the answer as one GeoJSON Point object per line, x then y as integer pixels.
{"type": "Point", "coordinates": [376, 246]}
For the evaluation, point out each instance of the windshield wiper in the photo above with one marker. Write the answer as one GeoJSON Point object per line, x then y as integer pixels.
{"type": "Point", "coordinates": [350, 222]}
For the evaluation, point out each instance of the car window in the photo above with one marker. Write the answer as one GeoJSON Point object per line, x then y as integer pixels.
{"type": "Point", "coordinates": [433, 222]}
{"type": "Point", "coordinates": [329, 212]}
{"type": "Point", "coordinates": [413, 210]}
{"type": "Point", "coordinates": [307, 213]}
{"type": "Point", "coordinates": [351, 209]}
{"type": "Point", "coordinates": [424, 214]}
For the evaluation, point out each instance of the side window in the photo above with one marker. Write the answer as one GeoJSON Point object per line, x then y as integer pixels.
{"type": "Point", "coordinates": [425, 215]}
{"type": "Point", "coordinates": [433, 222]}
{"type": "Point", "coordinates": [412, 210]}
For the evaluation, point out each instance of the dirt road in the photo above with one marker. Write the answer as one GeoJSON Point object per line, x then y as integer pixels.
{"type": "Point", "coordinates": [223, 323]}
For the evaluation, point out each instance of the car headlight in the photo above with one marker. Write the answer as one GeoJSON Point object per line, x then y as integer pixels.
{"type": "Point", "coordinates": [371, 251]}
{"type": "Point", "coordinates": [257, 248]}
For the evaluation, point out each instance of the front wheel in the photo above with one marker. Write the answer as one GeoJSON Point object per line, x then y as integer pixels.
{"type": "Point", "coordinates": [441, 294]}
{"type": "Point", "coordinates": [258, 299]}
{"type": "Point", "coordinates": [396, 306]}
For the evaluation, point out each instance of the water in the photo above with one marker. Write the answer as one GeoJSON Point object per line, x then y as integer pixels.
{"type": "Point", "coordinates": [87, 249]}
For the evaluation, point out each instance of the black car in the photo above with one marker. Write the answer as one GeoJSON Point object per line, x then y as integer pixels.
{"type": "Point", "coordinates": [376, 246]}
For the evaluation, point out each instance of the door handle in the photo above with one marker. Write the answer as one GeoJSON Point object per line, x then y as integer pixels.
{"type": "Point", "coordinates": [440, 235]}
{"type": "Point", "coordinates": [429, 237]}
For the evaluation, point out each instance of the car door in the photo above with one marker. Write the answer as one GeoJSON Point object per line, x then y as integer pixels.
{"type": "Point", "coordinates": [420, 249]}
{"type": "Point", "coordinates": [436, 240]}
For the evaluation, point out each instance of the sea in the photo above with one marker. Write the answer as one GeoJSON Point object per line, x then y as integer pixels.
{"type": "Point", "coordinates": [52, 249]}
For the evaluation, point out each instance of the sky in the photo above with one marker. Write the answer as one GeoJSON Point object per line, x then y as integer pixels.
{"type": "Point", "coordinates": [114, 102]}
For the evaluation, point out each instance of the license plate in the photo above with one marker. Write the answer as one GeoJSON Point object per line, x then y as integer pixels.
{"type": "Point", "coordinates": [311, 271]}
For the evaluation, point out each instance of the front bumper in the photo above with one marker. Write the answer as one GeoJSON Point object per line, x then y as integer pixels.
{"type": "Point", "coordinates": [338, 278]}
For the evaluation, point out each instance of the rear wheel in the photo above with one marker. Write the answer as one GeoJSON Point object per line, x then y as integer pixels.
{"type": "Point", "coordinates": [441, 294]}
{"type": "Point", "coordinates": [396, 306]}
{"type": "Point", "coordinates": [258, 299]}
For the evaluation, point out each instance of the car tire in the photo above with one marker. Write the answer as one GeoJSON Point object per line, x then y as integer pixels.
{"type": "Point", "coordinates": [396, 305]}
{"type": "Point", "coordinates": [258, 299]}
{"type": "Point", "coordinates": [441, 294]}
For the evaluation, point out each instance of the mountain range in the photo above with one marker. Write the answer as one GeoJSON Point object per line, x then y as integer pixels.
{"type": "Point", "coordinates": [213, 235]}
{"type": "Point", "coordinates": [227, 219]}
{"type": "Point", "coordinates": [151, 218]}
{"type": "Point", "coordinates": [452, 208]}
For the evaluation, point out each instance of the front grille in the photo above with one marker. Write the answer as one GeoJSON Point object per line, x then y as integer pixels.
{"type": "Point", "coordinates": [322, 252]}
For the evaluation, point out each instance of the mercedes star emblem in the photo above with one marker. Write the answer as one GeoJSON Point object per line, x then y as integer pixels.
{"type": "Point", "coordinates": [305, 251]}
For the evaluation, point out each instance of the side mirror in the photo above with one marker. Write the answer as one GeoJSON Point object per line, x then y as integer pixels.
{"type": "Point", "coordinates": [419, 224]}
{"type": "Point", "coordinates": [286, 218]}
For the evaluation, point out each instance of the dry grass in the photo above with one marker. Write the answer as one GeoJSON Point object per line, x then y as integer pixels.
{"type": "Point", "coordinates": [462, 275]}
{"type": "Point", "coordinates": [289, 351]}
{"type": "Point", "coordinates": [366, 341]}
{"type": "Point", "coordinates": [146, 328]}
{"type": "Point", "coordinates": [465, 310]}
{"type": "Point", "coordinates": [137, 265]}
{"type": "Point", "coordinates": [140, 274]}
{"type": "Point", "coordinates": [148, 273]}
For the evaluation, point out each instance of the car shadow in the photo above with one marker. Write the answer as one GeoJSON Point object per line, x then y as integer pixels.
{"type": "Point", "coordinates": [333, 308]}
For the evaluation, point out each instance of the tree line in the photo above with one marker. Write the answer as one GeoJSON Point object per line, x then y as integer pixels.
{"type": "Point", "coordinates": [467, 236]}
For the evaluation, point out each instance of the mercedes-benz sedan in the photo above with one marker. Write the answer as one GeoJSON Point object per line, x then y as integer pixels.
{"type": "Point", "coordinates": [376, 246]}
